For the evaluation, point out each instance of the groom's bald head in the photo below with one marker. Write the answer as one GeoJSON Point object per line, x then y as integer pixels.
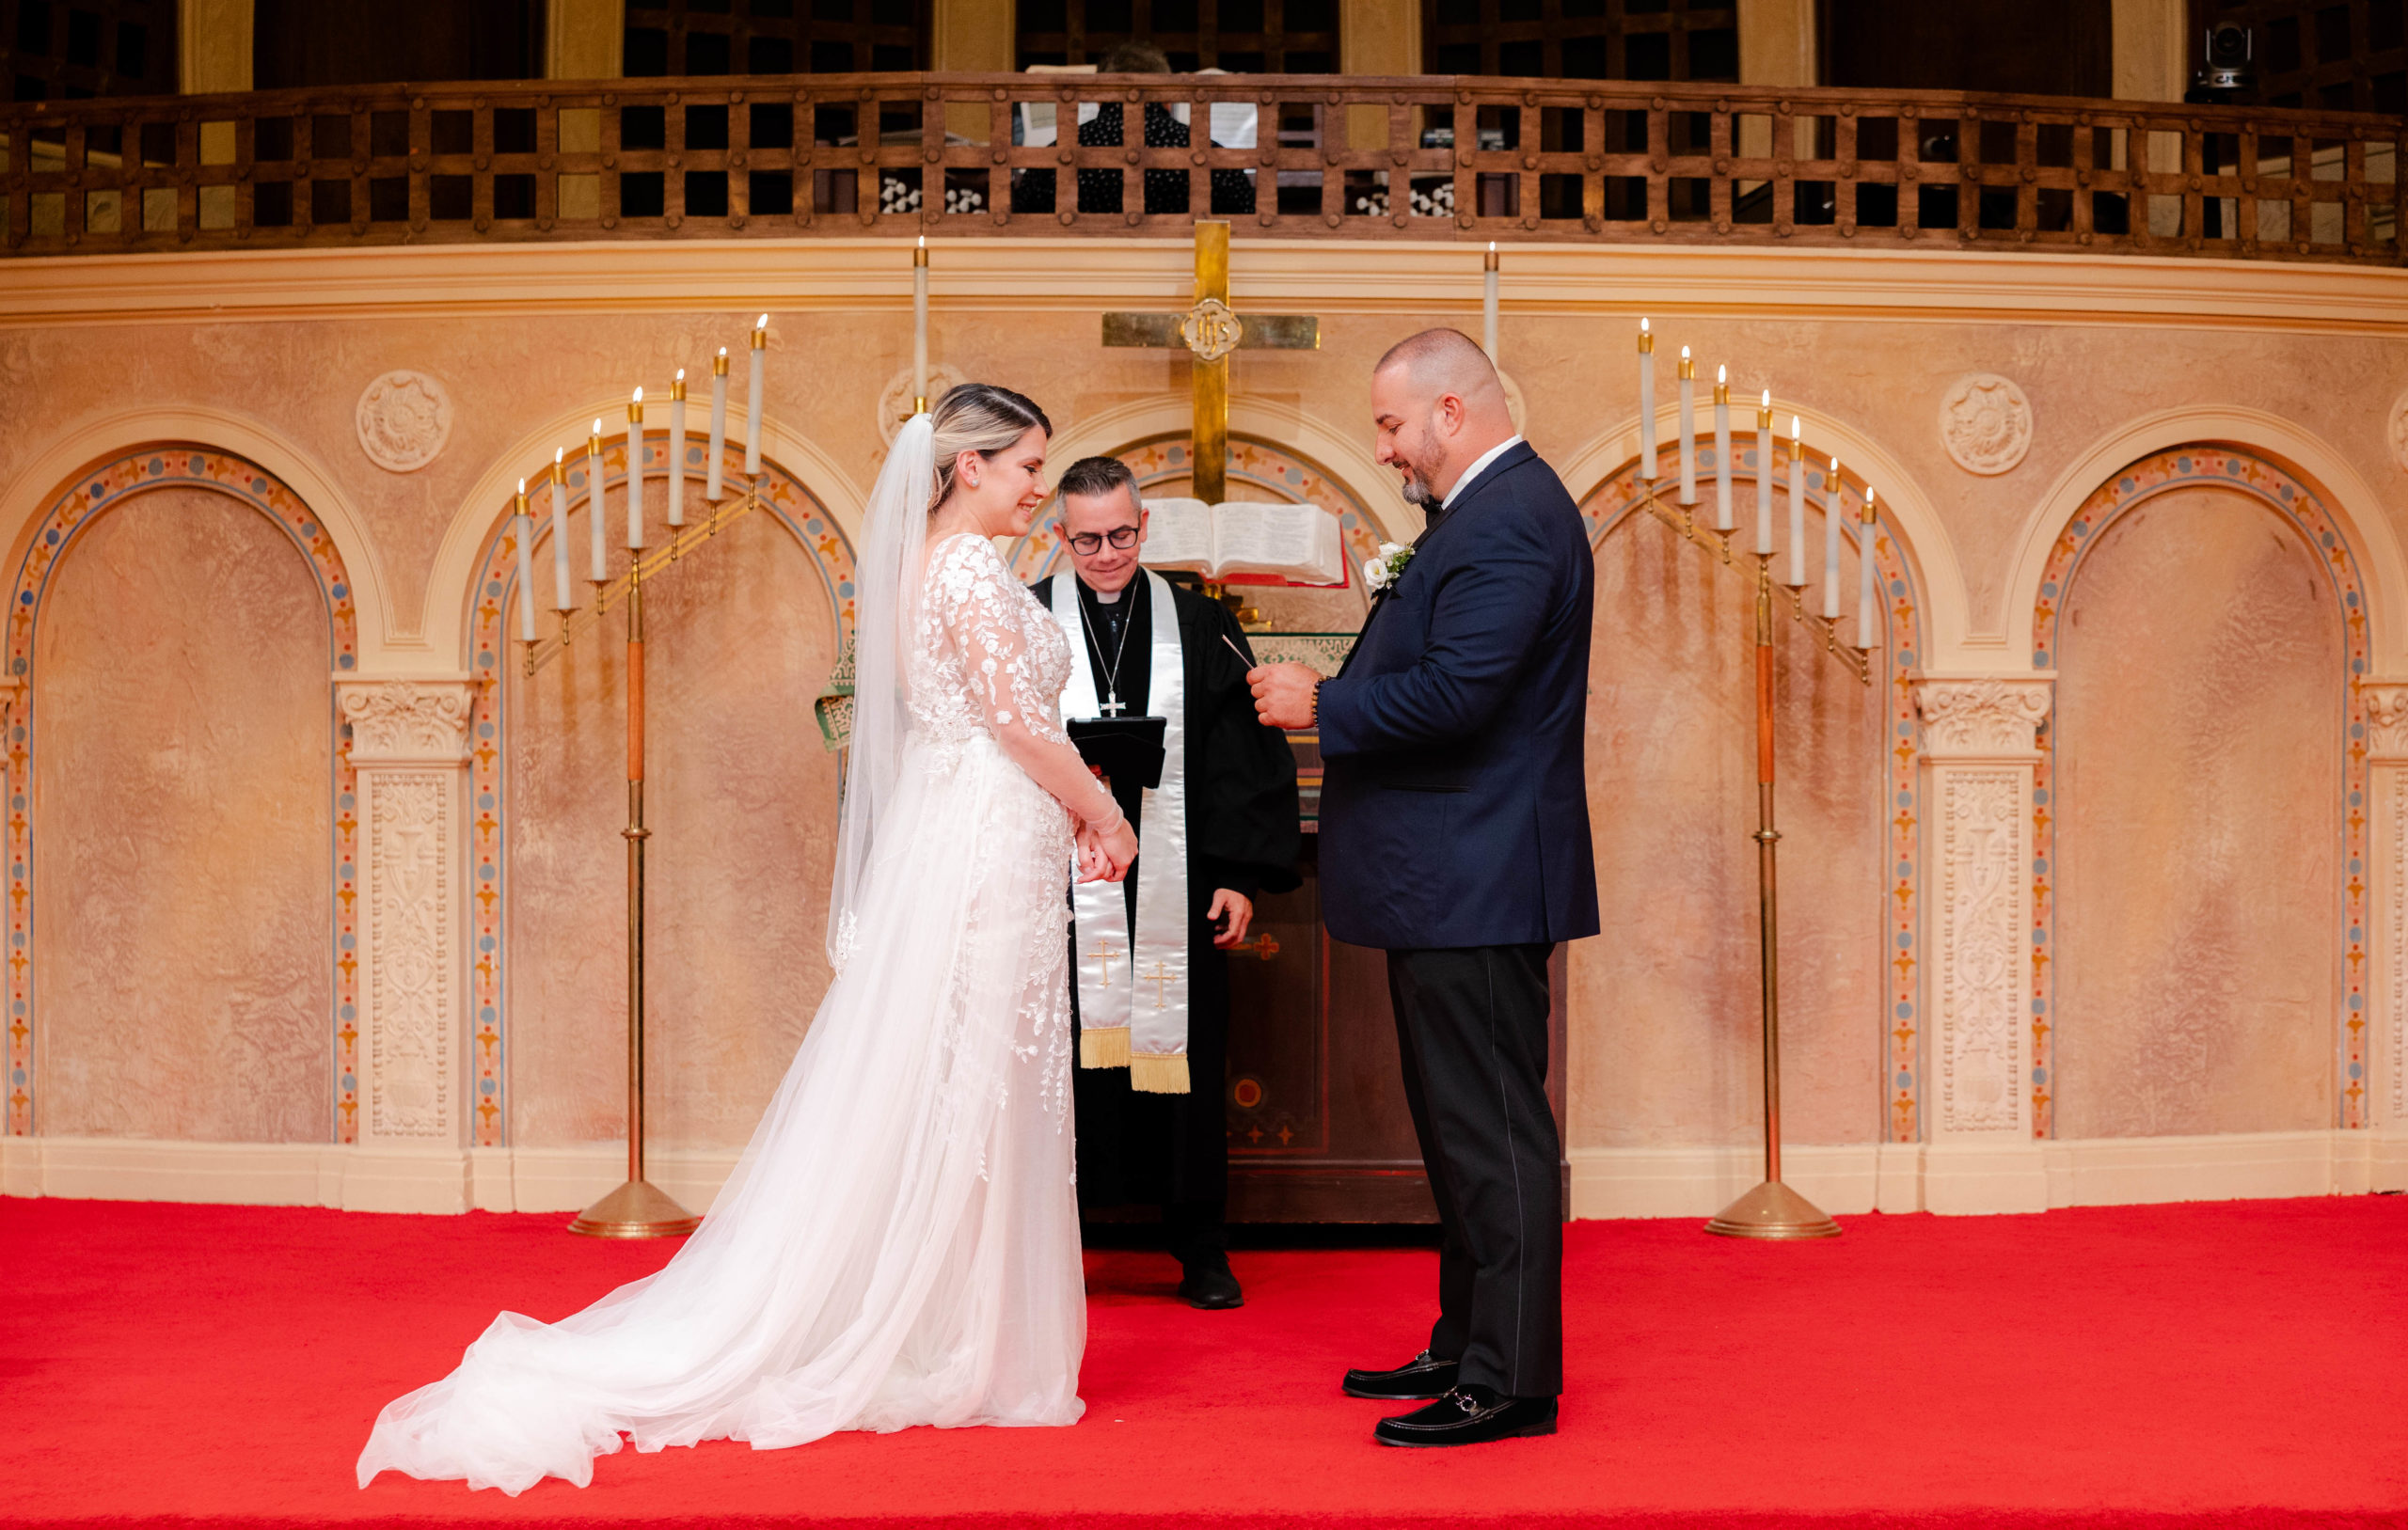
{"type": "Point", "coordinates": [1438, 406]}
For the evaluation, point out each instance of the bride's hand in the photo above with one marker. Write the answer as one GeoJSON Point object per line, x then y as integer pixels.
{"type": "Point", "coordinates": [1091, 861]}
{"type": "Point", "coordinates": [1117, 848]}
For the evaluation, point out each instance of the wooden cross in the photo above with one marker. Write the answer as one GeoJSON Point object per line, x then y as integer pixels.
{"type": "Point", "coordinates": [1209, 332]}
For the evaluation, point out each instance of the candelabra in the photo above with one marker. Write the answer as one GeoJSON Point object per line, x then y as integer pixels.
{"type": "Point", "coordinates": [637, 1209]}
{"type": "Point", "coordinates": [1773, 1209]}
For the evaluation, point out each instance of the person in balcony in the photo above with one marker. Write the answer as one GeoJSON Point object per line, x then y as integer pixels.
{"type": "Point", "coordinates": [1166, 190]}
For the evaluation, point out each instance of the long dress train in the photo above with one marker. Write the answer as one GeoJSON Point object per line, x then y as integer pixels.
{"type": "Point", "coordinates": [899, 1243]}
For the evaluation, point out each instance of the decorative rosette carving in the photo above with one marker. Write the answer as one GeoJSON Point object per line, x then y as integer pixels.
{"type": "Point", "coordinates": [1986, 423]}
{"type": "Point", "coordinates": [404, 420]}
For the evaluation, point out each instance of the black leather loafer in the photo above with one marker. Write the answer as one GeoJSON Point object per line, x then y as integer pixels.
{"type": "Point", "coordinates": [1210, 1285]}
{"type": "Point", "coordinates": [1468, 1415]}
{"type": "Point", "coordinates": [1423, 1376]}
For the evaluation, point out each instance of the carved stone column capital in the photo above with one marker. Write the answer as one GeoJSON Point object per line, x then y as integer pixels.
{"type": "Point", "coordinates": [1981, 717]}
{"type": "Point", "coordinates": [2386, 703]}
{"type": "Point", "coordinates": [406, 721]}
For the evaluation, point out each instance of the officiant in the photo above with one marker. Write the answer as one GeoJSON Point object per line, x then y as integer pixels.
{"type": "Point", "coordinates": [1163, 710]}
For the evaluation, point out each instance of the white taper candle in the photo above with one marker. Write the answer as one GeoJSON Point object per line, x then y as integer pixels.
{"type": "Point", "coordinates": [594, 499]}
{"type": "Point", "coordinates": [1646, 404]}
{"type": "Point", "coordinates": [1688, 428]}
{"type": "Point", "coordinates": [1764, 477]}
{"type": "Point", "coordinates": [1833, 512]}
{"type": "Point", "coordinates": [1796, 578]}
{"type": "Point", "coordinates": [1722, 449]}
{"type": "Point", "coordinates": [1868, 620]}
{"type": "Point", "coordinates": [920, 324]}
{"type": "Point", "coordinates": [677, 450]}
{"type": "Point", "coordinates": [1488, 303]}
{"type": "Point", "coordinates": [752, 400]}
{"type": "Point", "coordinates": [562, 598]}
{"type": "Point", "coordinates": [719, 426]}
{"type": "Point", "coordinates": [635, 473]}
{"type": "Point", "coordinates": [524, 529]}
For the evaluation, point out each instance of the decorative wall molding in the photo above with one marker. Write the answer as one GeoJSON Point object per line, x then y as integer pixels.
{"type": "Point", "coordinates": [2386, 703]}
{"type": "Point", "coordinates": [2399, 430]}
{"type": "Point", "coordinates": [1984, 716]}
{"type": "Point", "coordinates": [1983, 933]}
{"type": "Point", "coordinates": [408, 721]}
{"type": "Point", "coordinates": [895, 399]}
{"type": "Point", "coordinates": [1986, 423]}
{"type": "Point", "coordinates": [404, 420]}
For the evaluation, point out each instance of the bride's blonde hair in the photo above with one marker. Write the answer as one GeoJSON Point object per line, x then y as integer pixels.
{"type": "Point", "coordinates": [980, 418]}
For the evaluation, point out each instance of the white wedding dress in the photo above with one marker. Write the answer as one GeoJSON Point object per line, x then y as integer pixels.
{"type": "Point", "coordinates": [900, 1244]}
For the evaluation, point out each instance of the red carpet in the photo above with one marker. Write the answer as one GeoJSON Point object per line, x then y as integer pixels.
{"type": "Point", "coordinates": [2243, 1363]}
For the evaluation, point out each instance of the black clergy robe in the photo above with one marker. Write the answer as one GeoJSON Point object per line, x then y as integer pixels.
{"type": "Point", "coordinates": [1243, 833]}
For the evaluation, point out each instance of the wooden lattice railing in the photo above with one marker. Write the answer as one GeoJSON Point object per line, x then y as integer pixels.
{"type": "Point", "coordinates": [1291, 156]}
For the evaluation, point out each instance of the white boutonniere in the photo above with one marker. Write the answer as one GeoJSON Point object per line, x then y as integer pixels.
{"type": "Point", "coordinates": [1381, 572]}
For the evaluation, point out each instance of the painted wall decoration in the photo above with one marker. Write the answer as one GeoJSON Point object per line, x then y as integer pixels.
{"type": "Point", "coordinates": [784, 499]}
{"type": "Point", "coordinates": [2302, 513]}
{"type": "Point", "coordinates": [1621, 497]}
{"type": "Point", "coordinates": [53, 535]}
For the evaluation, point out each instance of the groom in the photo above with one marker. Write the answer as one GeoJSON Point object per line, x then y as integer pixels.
{"type": "Point", "coordinates": [1455, 834]}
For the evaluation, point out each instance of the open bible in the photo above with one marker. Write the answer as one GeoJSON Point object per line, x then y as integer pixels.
{"type": "Point", "coordinates": [1296, 542]}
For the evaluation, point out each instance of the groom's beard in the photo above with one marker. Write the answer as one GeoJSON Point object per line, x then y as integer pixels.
{"type": "Point", "coordinates": [1416, 489]}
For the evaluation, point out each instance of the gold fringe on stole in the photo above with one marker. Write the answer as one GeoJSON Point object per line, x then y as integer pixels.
{"type": "Point", "coordinates": [1158, 1075]}
{"type": "Point", "coordinates": [1105, 1049]}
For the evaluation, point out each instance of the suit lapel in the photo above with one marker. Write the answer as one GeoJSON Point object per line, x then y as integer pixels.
{"type": "Point", "coordinates": [1521, 452]}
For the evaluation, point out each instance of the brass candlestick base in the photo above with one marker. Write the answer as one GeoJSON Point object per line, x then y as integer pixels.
{"type": "Point", "coordinates": [1772, 1210]}
{"type": "Point", "coordinates": [638, 1209]}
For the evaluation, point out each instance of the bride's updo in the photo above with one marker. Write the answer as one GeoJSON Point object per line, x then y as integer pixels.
{"type": "Point", "coordinates": [980, 418]}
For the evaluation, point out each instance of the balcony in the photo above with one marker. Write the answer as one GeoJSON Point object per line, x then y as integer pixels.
{"type": "Point", "coordinates": [1284, 156]}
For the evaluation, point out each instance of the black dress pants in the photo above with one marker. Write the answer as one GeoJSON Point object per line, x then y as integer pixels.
{"type": "Point", "coordinates": [1472, 1029]}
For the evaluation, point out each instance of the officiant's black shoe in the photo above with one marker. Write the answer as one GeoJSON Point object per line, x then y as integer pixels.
{"type": "Point", "coordinates": [1423, 1376]}
{"type": "Point", "coordinates": [1211, 1286]}
{"type": "Point", "coordinates": [1468, 1415]}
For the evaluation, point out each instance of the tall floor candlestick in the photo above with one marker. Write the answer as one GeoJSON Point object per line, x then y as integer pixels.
{"type": "Point", "coordinates": [752, 400]}
{"type": "Point", "coordinates": [1796, 578]}
{"type": "Point", "coordinates": [635, 473]}
{"type": "Point", "coordinates": [677, 450]}
{"type": "Point", "coordinates": [1868, 623]}
{"type": "Point", "coordinates": [1832, 511]}
{"type": "Point", "coordinates": [719, 426]}
{"type": "Point", "coordinates": [1722, 449]}
{"type": "Point", "coordinates": [523, 530]}
{"type": "Point", "coordinates": [1764, 477]}
{"type": "Point", "coordinates": [920, 326]}
{"type": "Point", "coordinates": [1488, 275]}
{"type": "Point", "coordinates": [1646, 404]}
{"type": "Point", "coordinates": [1689, 429]}
{"type": "Point", "coordinates": [562, 601]}
{"type": "Point", "coordinates": [593, 500]}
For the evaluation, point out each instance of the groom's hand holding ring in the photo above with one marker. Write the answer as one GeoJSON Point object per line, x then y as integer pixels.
{"type": "Point", "coordinates": [1286, 695]}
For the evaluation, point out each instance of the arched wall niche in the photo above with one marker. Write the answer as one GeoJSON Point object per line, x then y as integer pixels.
{"type": "Point", "coordinates": [50, 542]}
{"type": "Point", "coordinates": [789, 502]}
{"type": "Point", "coordinates": [1616, 505]}
{"type": "Point", "coordinates": [2300, 509]}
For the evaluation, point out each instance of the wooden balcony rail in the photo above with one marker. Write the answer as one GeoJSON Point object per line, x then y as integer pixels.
{"type": "Point", "coordinates": [1426, 157]}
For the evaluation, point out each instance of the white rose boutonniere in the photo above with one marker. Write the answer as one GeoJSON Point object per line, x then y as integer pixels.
{"type": "Point", "coordinates": [1381, 572]}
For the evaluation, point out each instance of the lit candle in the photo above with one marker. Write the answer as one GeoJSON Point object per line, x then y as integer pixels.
{"type": "Point", "coordinates": [718, 425]}
{"type": "Point", "coordinates": [920, 326]}
{"type": "Point", "coordinates": [524, 529]}
{"type": "Point", "coordinates": [635, 472]}
{"type": "Point", "coordinates": [1796, 577]}
{"type": "Point", "coordinates": [594, 498]}
{"type": "Point", "coordinates": [1489, 302]}
{"type": "Point", "coordinates": [1722, 449]}
{"type": "Point", "coordinates": [752, 400]}
{"type": "Point", "coordinates": [1646, 404]}
{"type": "Point", "coordinates": [1764, 477]}
{"type": "Point", "coordinates": [1688, 428]}
{"type": "Point", "coordinates": [677, 450]}
{"type": "Point", "coordinates": [1832, 511]}
{"type": "Point", "coordinates": [563, 599]}
{"type": "Point", "coordinates": [1868, 625]}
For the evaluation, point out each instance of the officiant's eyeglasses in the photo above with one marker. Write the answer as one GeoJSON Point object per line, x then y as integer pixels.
{"type": "Point", "coordinates": [1089, 543]}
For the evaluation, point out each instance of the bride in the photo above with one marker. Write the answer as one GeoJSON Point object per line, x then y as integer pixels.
{"type": "Point", "coordinates": [900, 1244]}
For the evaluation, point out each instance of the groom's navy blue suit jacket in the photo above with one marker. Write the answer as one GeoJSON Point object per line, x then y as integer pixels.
{"type": "Point", "coordinates": [1454, 806]}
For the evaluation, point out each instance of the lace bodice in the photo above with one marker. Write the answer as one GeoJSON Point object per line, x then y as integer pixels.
{"type": "Point", "coordinates": [986, 657]}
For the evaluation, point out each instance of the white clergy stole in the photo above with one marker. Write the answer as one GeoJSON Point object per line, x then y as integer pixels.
{"type": "Point", "coordinates": [1132, 984]}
